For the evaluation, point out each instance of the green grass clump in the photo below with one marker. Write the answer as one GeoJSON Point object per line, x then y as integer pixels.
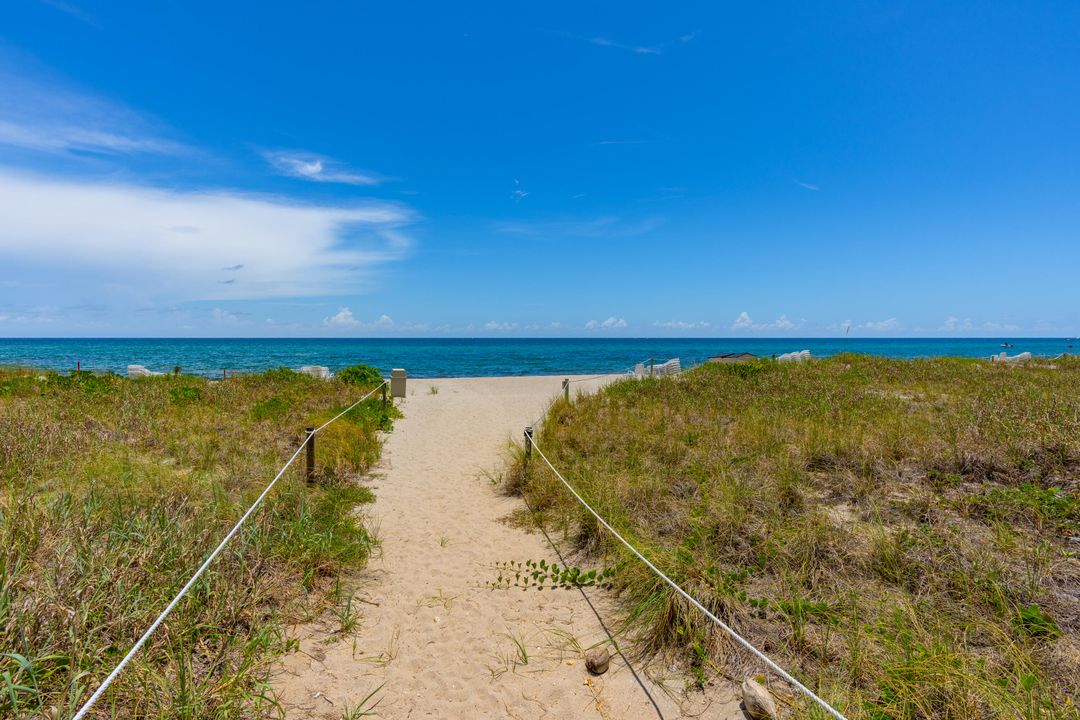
{"type": "Point", "coordinates": [363, 375]}
{"type": "Point", "coordinates": [113, 491]}
{"type": "Point", "coordinates": [899, 534]}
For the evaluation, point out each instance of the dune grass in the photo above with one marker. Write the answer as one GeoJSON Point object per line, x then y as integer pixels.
{"type": "Point", "coordinates": [901, 535]}
{"type": "Point", "coordinates": [114, 490]}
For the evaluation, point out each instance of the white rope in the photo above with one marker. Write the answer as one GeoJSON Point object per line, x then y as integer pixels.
{"type": "Point", "coordinates": [742, 641]}
{"type": "Point", "coordinates": [183, 591]}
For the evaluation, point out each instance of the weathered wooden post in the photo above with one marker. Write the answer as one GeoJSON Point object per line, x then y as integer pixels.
{"type": "Point", "coordinates": [651, 360]}
{"type": "Point", "coordinates": [384, 402]}
{"type": "Point", "coordinates": [309, 464]}
{"type": "Point", "coordinates": [528, 441]}
{"type": "Point", "coordinates": [397, 382]}
{"type": "Point", "coordinates": [566, 389]}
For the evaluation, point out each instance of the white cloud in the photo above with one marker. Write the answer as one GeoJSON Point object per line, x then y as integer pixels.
{"type": "Point", "coordinates": [224, 317]}
{"type": "Point", "coordinates": [745, 322]}
{"type": "Point", "coordinates": [805, 185]}
{"type": "Point", "coordinates": [612, 323]}
{"type": "Point", "coordinates": [742, 322]}
{"type": "Point", "coordinates": [343, 319]}
{"type": "Point", "coordinates": [500, 327]}
{"type": "Point", "coordinates": [309, 166]}
{"type": "Point", "coordinates": [681, 325]}
{"type": "Point", "coordinates": [881, 325]}
{"type": "Point", "coordinates": [126, 239]}
{"type": "Point", "coordinates": [952, 324]}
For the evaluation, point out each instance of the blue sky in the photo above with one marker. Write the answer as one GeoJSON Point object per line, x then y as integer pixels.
{"type": "Point", "coordinates": [608, 169]}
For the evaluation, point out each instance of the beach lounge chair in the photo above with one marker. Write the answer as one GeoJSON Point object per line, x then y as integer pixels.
{"type": "Point", "coordinates": [319, 371]}
{"type": "Point", "coordinates": [794, 356]}
{"type": "Point", "coordinates": [1002, 357]}
{"type": "Point", "coordinates": [671, 367]}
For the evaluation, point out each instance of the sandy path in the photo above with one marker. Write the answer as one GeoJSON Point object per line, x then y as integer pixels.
{"type": "Point", "coordinates": [437, 637]}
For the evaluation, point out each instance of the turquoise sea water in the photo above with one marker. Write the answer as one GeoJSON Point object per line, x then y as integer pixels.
{"type": "Point", "coordinates": [467, 357]}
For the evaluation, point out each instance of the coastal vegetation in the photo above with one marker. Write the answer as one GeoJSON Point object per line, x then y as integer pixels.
{"type": "Point", "coordinates": [900, 535]}
{"type": "Point", "coordinates": [114, 490]}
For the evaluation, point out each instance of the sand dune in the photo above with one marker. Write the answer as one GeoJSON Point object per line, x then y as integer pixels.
{"type": "Point", "coordinates": [437, 638]}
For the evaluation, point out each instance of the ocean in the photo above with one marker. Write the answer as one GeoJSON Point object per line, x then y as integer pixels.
{"type": "Point", "coordinates": [467, 357]}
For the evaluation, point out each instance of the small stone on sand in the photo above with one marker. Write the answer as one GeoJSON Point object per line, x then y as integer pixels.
{"type": "Point", "coordinates": [596, 660]}
{"type": "Point", "coordinates": [757, 701]}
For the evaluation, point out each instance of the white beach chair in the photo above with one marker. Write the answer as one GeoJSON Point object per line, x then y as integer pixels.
{"type": "Point", "coordinates": [319, 371]}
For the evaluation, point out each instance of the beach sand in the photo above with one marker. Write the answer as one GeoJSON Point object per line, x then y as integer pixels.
{"type": "Point", "coordinates": [434, 635]}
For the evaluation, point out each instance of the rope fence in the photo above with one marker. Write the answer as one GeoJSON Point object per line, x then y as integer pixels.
{"type": "Point", "coordinates": [531, 444]}
{"type": "Point", "coordinates": [308, 438]}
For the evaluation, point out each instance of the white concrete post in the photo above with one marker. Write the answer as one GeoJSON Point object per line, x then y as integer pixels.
{"type": "Point", "coordinates": [397, 382]}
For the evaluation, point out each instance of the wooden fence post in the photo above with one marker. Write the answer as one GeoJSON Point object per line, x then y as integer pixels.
{"type": "Point", "coordinates": [384, 397]}
{"type": "Point", "coordinates": [309, 465]}
{"type": "Point", "coordinates": [566, 389]}
{"type": "Point", "coordinates": [528, 441]}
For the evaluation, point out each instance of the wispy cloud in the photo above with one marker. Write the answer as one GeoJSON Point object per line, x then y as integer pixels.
{"type": "Point", "coordinates": [52, 118]}
{"type": "Point", "coordinates": [638, 49]}
{"type": "Point", "coordinates": [495, 326]}
{"type": "Point", "coordinates": [221, 316]}
{"type": "Point", "coordinates": [72, 10]}
{"type": "Point", "coordinates": [622, 142]}
{"type": "Point", "coordinates": [518, 194]}
{"type": "Point", "coordinates": [808, 186]}
{"type": "Point", "coordinates": [612, 323]}
{"type": "Point", "coordinates": [881, 325]}
{"type": "Point", "coordinates": [953, 324]}
{"type": "Point", "coordinates": [745, 322]}
{"type": "Point", "coordinates": [681, 325]}
{"type": "Point", "coordinates": [286, 249]}
{"type": "Point", "coordinates": [604, 226]}
{"type": "Point", "coordinates": [317, 168]}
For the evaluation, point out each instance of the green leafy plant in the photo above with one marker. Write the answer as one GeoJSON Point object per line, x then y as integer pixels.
{"type": "Point", "coordinates": [1034, 622]}
{"type": "Point", "coordinates": [539, 574]}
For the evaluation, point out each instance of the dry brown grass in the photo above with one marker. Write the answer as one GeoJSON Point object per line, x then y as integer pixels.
{"type": "Point", "coordinates": [902, 535]}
